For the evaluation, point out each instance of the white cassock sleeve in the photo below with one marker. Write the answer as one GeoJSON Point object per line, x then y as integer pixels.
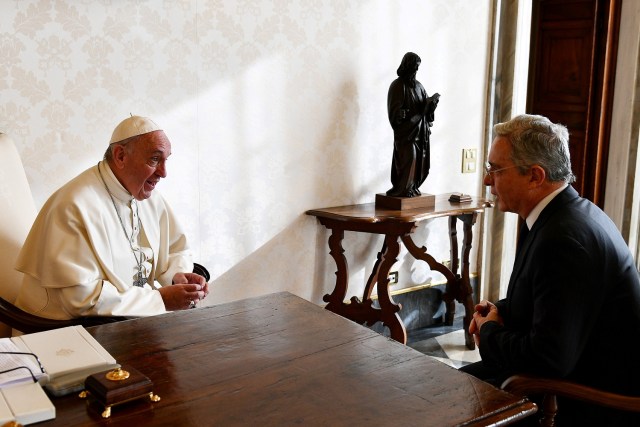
{"type": "Point", "coordinates": [103, 299]}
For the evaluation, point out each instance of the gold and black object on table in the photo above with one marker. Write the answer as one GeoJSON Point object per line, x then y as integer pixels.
{"type": "Point", "coordinates": [118, 386]}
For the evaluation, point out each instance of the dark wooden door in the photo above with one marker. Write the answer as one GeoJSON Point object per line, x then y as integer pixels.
{"type": "Point", "coordinates": [571, 77]}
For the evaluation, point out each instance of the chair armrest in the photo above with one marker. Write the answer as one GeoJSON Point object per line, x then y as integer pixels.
{"type": "Point", "coordinates": [29, 323]}
{"type": "Point", "coordinates": [525, 385]}
{"type": "Point", "coordinates": [201, 270]}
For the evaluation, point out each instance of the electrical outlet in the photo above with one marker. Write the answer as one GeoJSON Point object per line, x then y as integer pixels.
{"type": "Point", "coordinates": [469, 160]}
{"type": "Point", "coordinates": [393, 277]}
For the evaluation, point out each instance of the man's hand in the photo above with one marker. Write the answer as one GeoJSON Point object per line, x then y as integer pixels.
{"type": "Point", "coordinates": [189, 278]}
{"type": "Point", "coordinates": [186, 291]}
{"type": "Point", "coordinates": [485, 312]}
{"type": "Point", "coordinates": [180, 296]}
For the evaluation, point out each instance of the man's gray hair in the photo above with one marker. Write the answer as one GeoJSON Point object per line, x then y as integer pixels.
{"type": "Point", "coordinates": [108, 154]}
{"type": "Point", "coordinates": [535, 140]}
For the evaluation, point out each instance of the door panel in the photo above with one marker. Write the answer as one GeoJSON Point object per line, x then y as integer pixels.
{"type": "Point", "coordinates": [572, 68]}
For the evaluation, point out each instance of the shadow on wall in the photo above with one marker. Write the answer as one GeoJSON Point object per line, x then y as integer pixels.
{"type": "Point", "coordinates": [296, 260]}
{"type": "Point", "coordinates": [284, 263]}
{"type": "Point", "coordinates": [289, 260]}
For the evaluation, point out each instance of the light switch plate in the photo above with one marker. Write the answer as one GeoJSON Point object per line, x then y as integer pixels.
{"type": "Point", "coordinates": [469, 160]}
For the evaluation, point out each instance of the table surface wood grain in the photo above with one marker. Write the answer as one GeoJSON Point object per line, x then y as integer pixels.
{"type": "Point", "coordinates": [369, 213]}
{"type": "Point", "coordinates": [280, 360]}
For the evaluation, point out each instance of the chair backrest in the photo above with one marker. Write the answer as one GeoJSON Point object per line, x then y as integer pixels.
{"type": "Point", "coordinates": [16, 217]}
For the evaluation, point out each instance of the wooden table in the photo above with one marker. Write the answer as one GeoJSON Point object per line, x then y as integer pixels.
{"type": "Point", "coordinates": [280, 360]}
{"type": "Point", "coordinates": [398, 225]}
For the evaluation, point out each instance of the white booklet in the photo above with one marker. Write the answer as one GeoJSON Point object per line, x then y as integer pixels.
{"type": "Point", "coordinates": [69, 355]}
{"type": "Point", "coordinates": [25, 404]}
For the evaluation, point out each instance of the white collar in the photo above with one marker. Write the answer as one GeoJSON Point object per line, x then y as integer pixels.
{"type": "Point", "coordinates": [535, 212]}
{"type": "Point", "coordinates": [110, 180]}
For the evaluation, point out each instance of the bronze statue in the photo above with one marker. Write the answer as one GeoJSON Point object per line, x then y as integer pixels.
{"type": "Point", "coordinates": [411, 114]}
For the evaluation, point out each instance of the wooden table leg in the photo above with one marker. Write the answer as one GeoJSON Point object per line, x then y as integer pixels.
{"type": "Point", "coordinates": [466, 292]}
{"type": "Point", "coordinates": [452, 280]}
{"type": "Point", "coordinates": [388, 308]}
{"type": "Point", "coordinates": [421, 254]}
{"type": "Point", "coordinates": [462, 290]}
{"type": "Point", "coordinates": [452, 288]}
{"type": "Point", "coordinates": [336, 299]}
{"type": "Point", "coordinates": [458, 286]}
{"type": "Point", "coordinates": [363, 312]}
{"type": "Point", "coordinates": [373, 278]}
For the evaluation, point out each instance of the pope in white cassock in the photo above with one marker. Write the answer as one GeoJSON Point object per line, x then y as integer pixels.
{"type": "Point", "coordinates": [106, 243]}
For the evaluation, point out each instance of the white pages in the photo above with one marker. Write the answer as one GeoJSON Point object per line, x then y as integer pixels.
{"type": "Point", "coordinates": [69, 355]}
{"type": "Point", "coordinates": [17, 368]}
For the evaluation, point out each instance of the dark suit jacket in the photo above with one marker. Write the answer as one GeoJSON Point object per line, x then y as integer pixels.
{"type": "Point", "coordinates": [573, 304]}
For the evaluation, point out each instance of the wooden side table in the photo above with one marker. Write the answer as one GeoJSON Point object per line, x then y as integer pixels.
{"type": "Point", "coordinates": [397, 226]}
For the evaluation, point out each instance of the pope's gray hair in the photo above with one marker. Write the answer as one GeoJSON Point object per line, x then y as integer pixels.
{"type": "Point", "coordinates": [108, 154]}
{"type": "Point", "coordinates": [535, 140]}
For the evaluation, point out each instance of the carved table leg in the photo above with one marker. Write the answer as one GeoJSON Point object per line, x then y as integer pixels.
{"type": "Point", "coordinates": [458, 287]}
{"type": "Point", "coordinates": [335, 300]}
{"type": "Point", "coordinates": [421, 254]}
{"type": "Point", "coordinates": [373, 278]}
{"type": "Point", "coordinates": [388, 308]}
{"type": "Point", "coordinates": [358, 311]}
{"type": "Point", "coordinates": [451, 293]}
{"type": "Point", "coordinates": [462, 290]}
{"type": "Point", "coordinates": [466, 292]}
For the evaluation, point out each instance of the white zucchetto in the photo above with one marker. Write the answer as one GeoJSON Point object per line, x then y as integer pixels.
{"type": "Point", "coordinates": [133, 126]}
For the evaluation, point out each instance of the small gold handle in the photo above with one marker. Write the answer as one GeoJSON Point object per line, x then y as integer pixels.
{"type": "Point", "coordinates": [118, 374]}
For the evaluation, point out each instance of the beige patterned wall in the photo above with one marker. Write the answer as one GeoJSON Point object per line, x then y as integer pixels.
{"type": "Point", "coordinates": [274, 107]}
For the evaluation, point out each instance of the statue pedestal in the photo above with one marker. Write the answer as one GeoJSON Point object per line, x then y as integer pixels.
{"type": "Point", "coordinates": [424, 201]}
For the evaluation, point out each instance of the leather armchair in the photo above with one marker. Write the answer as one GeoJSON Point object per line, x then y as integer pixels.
{"type": "Point", "coordinates": [16, 216]}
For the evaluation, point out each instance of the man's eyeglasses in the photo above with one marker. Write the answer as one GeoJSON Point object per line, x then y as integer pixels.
{"type": "Point", "coordinates": [488, 169]}
{"type": "Point", "coordinates": [33, 376]}
{"type": "Point", "coordinates": [21, 353]}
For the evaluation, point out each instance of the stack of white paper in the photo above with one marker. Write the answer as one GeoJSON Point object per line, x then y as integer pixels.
{"type": "Point", "coordinates": [16, 366]}
{"type": "Point", "coordinates": [69, 355]}
{"type": "Point", "coordinates": [25, 404]}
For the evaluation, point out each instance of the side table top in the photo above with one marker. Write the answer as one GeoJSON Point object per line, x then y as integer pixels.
{"type": "Point", "coordinates": [368, 212]}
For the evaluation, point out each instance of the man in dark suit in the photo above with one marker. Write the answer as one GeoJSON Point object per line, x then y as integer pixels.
{"type": "Point", "coordinates": [572, 308]}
